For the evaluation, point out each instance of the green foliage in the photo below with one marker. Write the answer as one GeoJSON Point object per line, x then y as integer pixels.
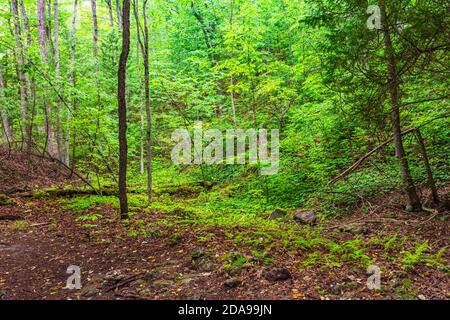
{"type": "Point", "coordinates": [234, 262]}
{"type": "Point", "coordinates": [84, 203]}
{"type": "Point", "coordinates": [420, 254]}
{"type": "Point", "coordinates": [20, 225]}
{"type": "Point", "coordinates": [4, 200]}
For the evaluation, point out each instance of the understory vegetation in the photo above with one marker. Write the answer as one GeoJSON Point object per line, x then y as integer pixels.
{"type": "Point", "coordinates": [91, 93]}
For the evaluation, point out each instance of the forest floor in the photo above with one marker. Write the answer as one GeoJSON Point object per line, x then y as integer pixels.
{"type": "Point", "coordinates": [173, 254]}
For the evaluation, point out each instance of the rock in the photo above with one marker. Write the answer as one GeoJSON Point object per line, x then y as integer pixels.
{"type": "Point", "coordinates": [305, 217]}
{"type": "Point", "coordinates": [337, 289]}
{"type": "Point", "coordinates": [205, 264]}
{"type": "Point", "coordinates": [202, 261]}
{"type": "Point", "coordinates": [277, 274]}
{"type": "Point", "coordinates": [145, 292]}
{"type": "Point", "coordinates": [149, 275]}
{"type": "Point", "coordinates": [232, 283]}
{"type": "Point", "coordinates": [356, 229]}
{"type": "Point", "coordinates": [277, 214]}
{"type": "Point", "coordinates": [163, 283]}
{"type": "Point", "coordinates": [186, 280]}
{"type": "Point", "coordinates": [114, 276]}
{"type": "Point", "coordinates": [89, 291]}
{"type": "Point", "coordinates": [421, 297]}
{"type": "Point", "coordinates": [98, 278]}
{"type": "Point", "coordinates": [2, 292]}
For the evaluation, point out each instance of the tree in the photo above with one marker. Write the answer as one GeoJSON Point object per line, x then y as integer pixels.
{"type": "Point", "coordinates": [392, 81]}
{"type": "Point", "coordinates": [355, 58]}
{"type": "Point", "coordinates": [145, 54]}
{"type": "Point", "coordinates": [43, 48]}
{"type": "Point", "coordinates": [19, 52]}
{"type": "Point", "coordinates": [59, 135]}
{"type": "Point", "coordinates": [73, 80]}
{"type": "Point", "coordinates": [122, 110]}
{"type": "Point", "coordinates": [3, 113]}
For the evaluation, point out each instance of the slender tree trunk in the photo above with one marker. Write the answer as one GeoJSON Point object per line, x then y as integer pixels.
{"type": "Point", "coordinates": [3, 113]}
{"type": "Point", "coordinates": [110, 10]}
{"type": "Point", "coordinates": [95, 36]}
{"type": "Point", "coordinates": [42, 32]}
{"type": "Point", "coordinates": [49, 22]}
{"type": "Point", "coordinates": [141, 110]}
{"type": "Point", "coordinates": [29, 83]}
{"type": "Point", "coordinates": [393, 86]}
{"type": "Point", "coordinates": [122, 110]}
{"type": "Point", "coordinates": [73, 81]}
{"type": "Point", "coordinates": [119, 15]}
{"type": "Point", "coordinates": [20, 73]}
{"type": "Point", "coordinates": [148, 110]}
{"type": "Point", "coordinates": [233, 107]}
{"type": "Point", "coordinates": [26, 24]}
{"type": "Point", "coordinates": [59, 134]}
{"type": "Point", "coordinates": [148, 133]}
{"type": "Point", "coordinates": [430, 179]}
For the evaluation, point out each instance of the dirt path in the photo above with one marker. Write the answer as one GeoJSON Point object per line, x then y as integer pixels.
{"type": "Point", "coordinates": [36, 252]}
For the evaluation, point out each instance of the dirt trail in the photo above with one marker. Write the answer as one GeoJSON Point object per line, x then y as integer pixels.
{"type": "Point", "coordinates": [34, 259]}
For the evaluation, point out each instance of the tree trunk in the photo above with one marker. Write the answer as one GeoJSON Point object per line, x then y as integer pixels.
{"type": "Point", "coordinates": [430, 179]}
{"type": "Point", "coordinates": [233, 107]}
{"type": "Point", "coordinates": [3, 113]}
{"type": "Point", "coordinates": [95, 36]}
{"type": "Point", "coordinates": [147, 108]}
{"type": "Point", "coordinates": [59, 134]}
{"type": "Point", "coordinates": [50, 135]}
{"type": "Point", "coordinates": [20, 73]}
{"type": "Point", "coordinates": [141, 112]}
{"type": "Point", "coordinates": [122, 110]}
{"type": "Point", "coordinates": [393, 86]}
{"type": "Point", "coordinates": [26, 24]}
{"type": "Point", "coordinates": [73, 81]}
{"type": "Point", "coordinates": [110, 10]}
{"type": "Point", "coordinates": [119, 15]}
{"type": "Point", "coordinates": [148, 132]}
{"type": "Point", "coordinates": [29, 83]}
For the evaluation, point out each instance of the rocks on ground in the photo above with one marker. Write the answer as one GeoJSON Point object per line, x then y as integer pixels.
{"type": "Point", "coordinates": [202, 260]}
{"type": "Point", "coordinates": [277, 274]}
{"type": "Point", "coordinates": [232, 283]}
{"type": "Point", "coordinates": [277, 214]}
{"type": "Point", "coordinates": [305, 217]}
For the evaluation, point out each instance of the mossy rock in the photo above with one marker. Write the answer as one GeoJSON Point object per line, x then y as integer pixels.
{"type": "Point", "coordinates": [278, 214]}
{"type": "Point", "coordinates": [202, 260]}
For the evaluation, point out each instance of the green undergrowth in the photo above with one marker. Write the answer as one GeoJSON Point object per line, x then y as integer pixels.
{"type": "Point", "coordinates": [186, 205]}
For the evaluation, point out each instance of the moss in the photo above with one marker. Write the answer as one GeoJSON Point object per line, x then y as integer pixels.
{"type": "Point", "coordinates": [4, 200]}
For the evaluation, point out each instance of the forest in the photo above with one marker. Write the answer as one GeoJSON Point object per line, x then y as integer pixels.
{"type": "Point", "coordinates": [224, 149]}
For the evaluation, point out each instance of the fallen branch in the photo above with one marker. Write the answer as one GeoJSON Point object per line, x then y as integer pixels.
{"type": "Point", "coordinates": [367, 155]}
{"type": "Point", "coordinates": [39, 224]}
